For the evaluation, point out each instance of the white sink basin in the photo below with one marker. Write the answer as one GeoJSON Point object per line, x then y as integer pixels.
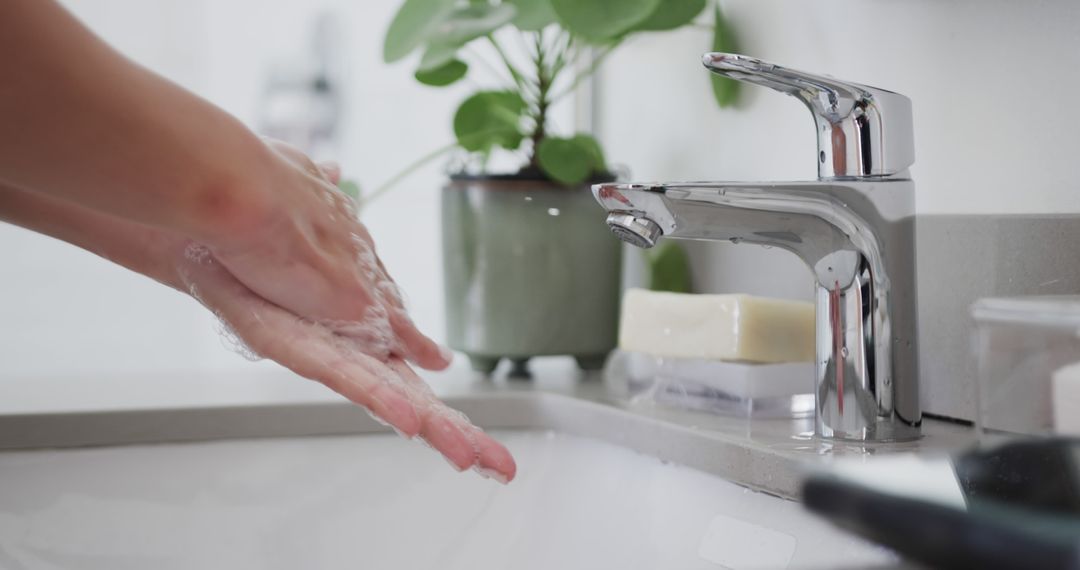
{"type": "Point", "coordinates": [371, 501]}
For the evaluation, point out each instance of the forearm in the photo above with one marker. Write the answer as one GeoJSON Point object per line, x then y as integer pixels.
{"type": "Point", "coordinates": [135, 246]}
{"type": "Point", "coordinates": [80, 122]}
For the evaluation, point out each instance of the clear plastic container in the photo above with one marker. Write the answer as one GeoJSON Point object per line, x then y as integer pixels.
{"type": "Point", "coordinates": [725, 388]}
{"type": "Point", "coordinates": [1028, 351]}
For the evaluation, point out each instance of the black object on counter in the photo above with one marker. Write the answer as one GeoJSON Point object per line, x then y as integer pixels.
{"type": "Point", "coordinates": [1022, 509]}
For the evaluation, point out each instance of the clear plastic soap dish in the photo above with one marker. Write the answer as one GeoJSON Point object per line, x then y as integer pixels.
{"type": "Point", "coordinates": [725, 388]}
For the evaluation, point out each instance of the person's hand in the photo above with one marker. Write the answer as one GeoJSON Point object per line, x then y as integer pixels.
{"type": "Point", "coordinates": [389, 389]}
{"type": "Point", "coordinates": [310, 293]}
{"type": "Point", "coordinates": [310, 255]}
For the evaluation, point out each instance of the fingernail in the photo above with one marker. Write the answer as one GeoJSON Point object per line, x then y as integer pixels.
{"type": "Point", "coordinates": [446, 354]}
{"type": "Point", "coordinates": [491, 474]}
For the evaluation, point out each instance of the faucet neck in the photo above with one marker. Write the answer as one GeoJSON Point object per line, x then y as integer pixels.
{"type": "Point", "coordinates": [862, 131]}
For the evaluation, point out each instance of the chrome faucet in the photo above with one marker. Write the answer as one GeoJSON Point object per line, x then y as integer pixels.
{"type": "Point", "coordinates": [854, 227]}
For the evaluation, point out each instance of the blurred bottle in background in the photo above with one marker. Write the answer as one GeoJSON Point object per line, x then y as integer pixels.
{"type": "Point", "coordinates": [301, 100]}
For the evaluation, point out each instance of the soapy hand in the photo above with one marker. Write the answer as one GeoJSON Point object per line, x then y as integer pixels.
{"type": "Point", "coordinates": [388, 389]}
{"type": "Point", "coordinates": [312, 295]}
{"type": "Point", "coordinates": [310, 255]}
{"type": "Point", "coordinates": [331, 354]}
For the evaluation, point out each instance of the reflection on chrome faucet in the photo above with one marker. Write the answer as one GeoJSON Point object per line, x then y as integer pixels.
{"type": "Point", "coordinates": [854, 227]}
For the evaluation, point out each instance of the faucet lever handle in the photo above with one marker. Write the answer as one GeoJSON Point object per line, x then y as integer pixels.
{"type": "Point", "coordinates": [862, 131]}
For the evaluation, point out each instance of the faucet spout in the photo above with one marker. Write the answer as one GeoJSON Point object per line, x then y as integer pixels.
{"type": "Point", "coordinates": [862, 131]}
{"type": "Point", "coordinates": [857, 237]}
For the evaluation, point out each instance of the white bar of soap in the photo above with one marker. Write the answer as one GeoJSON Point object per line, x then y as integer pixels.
{"type": "Point", "coordinates": [717, 327]}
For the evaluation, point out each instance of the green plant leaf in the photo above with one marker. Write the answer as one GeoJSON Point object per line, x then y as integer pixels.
{"type": "Point", "coordinates": [350, 188]}
{"type": "Point", "coordinates": [602, 20]}
{"type": "Point", "coordinates": [436, 56]}
{"type": "Point", "coordinates": [569, 161]}
{"type": "Point", "coordinates": [448, 73]}
{"type": "Point", "coordinates": [669, 268]}
{"type": "Point", "coordinates": [462, 26]}
{"type": "Point", "coordinates": [533, 15]}
{"type": "Point", "coordinates": [591, 146]}
{"type": "Point", "coordinates": [467, 23]}
{"type": "Point", "coordinates": [412, 24]}
{"type": "Point", "coordinates": [671, 14]}
{"type": "Point", "coordinates": [725, 90]}
{"type": "Point", "coordinates": [489, 119]}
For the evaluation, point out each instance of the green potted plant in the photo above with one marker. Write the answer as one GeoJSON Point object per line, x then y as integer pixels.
{"type": "Point", "coordinates": [530, 269]}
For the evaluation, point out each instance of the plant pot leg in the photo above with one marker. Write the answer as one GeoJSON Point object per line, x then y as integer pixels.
{"type": "Point", "coordinates": [590, 362]}
{"type": "Point", "coordinates": [484, 364]}
{"type": "Point", "coordinates": [520, 369]}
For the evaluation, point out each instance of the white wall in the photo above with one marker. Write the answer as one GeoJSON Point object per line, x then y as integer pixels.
{"type": "Point", "coordinates": [993, 83]}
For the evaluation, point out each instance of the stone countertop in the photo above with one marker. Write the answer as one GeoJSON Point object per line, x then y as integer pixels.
{"type": "Point", "coordinates": [769, 455]}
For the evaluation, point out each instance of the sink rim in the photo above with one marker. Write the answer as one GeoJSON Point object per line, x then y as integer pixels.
{"type": "Point", "coordinates": [769, 460]}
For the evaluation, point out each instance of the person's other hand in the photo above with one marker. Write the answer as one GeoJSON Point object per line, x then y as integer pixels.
{"type": "Point", "coordinates": [309, 254]}
{"type": "Point", "coordinates": [389, 389]}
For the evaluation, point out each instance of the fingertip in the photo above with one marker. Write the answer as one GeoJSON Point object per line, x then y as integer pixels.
{"type": "Point", "coordinates": [495, 461]}
{"type": "Point", "coordinates": [446, 354]}
{"type": "Point", "coordinates": [493, 474]}
{"type": "Point", "coordinates": [418, 348]}
{"type": "Point", "coordinates": [432, 364]}
{"type": "Point", "coordinates": [331, 170]}
{"type": "Point", "coordinates": [437, 358]}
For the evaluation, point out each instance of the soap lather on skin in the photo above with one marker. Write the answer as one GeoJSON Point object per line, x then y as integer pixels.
{"type": "Point", "coordinates": [740, 328]}
{"type": "Point", "coordinates": [360, 360]}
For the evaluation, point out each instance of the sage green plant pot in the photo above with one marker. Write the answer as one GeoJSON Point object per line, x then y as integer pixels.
{"type": "Point", "coordinates": [530, 270]}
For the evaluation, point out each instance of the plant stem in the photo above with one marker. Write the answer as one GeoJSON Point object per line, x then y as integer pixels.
{"type": "Point", "coordinates": [518, 77]}
{"type": "Point", "coordinates": [543, 82]}
{"type": "Point", "coordinates": [564, 43]}
{"type": "Point", "coordinates": [476, 56]}
{"type": "Point", "coordinates": [366, 200]}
